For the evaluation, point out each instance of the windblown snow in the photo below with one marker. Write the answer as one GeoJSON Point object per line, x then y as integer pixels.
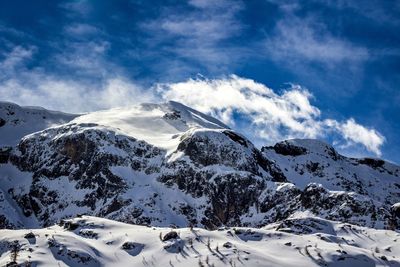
{"type": "Point", "coordinates": [159, 125]}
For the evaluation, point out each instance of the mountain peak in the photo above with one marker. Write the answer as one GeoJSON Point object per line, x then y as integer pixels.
{"type": "Point", "coordinates": [161, 125]}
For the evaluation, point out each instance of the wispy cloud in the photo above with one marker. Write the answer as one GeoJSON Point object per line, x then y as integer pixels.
{"type": "Point", "coordinates": [307, 38]}
{"type": "Point", "coordinates": [379, 11]}
{"type": "Point", "coordinates": [18, 55]}
{"type": "Point", "coordinates": [86, 58]}
{"type": "Point", "coordinates": [297, 40]}
{"type": "Point", "coordinates": [302, 43]}
{"type": "Point", "coordinates": [81, 29]}
{"type": "Point", "coordinates": [272, 117]}
{"type": "Point", "coordinates": [73, 96]}
{"type": "Point", "coordinates": [77, 8]}
{"type": "Point", "coordinates": [35, 86]}
{"type": "Point", "coordinates": [199, 35]}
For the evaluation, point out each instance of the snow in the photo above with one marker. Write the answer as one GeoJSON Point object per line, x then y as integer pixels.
{"type": "Point", "coordinates": [7, 204]}
{"type": "Point", "coordinates": [99, 242]}
{"type": "Point", "coordinates": [152, 123]}
{"type": "Point", "coordinates": [314, 145]}
{"type": "Point", "coordinates": [336, 172]}
{"type": "Point", "coordinates": [20, 121]}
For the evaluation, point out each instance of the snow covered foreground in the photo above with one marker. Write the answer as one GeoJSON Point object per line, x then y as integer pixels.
{"type": "Point", "coordinates": [307, 241]}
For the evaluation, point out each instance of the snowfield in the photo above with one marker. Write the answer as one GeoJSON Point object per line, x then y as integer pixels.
{"type": "Point", "coordinates": [92, 241]}
{"type": "Point", "coordinates": [159, 125]}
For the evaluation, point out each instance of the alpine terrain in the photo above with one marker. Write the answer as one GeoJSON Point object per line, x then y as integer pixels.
{"type": "Point", "coordinates": [166, 185]}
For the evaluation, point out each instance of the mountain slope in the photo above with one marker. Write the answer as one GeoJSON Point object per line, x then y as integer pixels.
{"type": "Point", "coordinates": [99, 169]}
{"type": "Point", "coordinates": [163, 164]}
{"type": "Point", "coordinates": [17, 121]}
{"type": "Point", "coordinates": [312, 161]}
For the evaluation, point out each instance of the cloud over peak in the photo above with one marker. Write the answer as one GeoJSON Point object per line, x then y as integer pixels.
{"type": "Point", "coordinates": [270, 116]}
{"type": "Point", "coordinates": [244, 104]}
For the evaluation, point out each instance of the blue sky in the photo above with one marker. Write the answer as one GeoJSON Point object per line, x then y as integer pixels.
{"type": "Point", "coordinates": [271, 69]}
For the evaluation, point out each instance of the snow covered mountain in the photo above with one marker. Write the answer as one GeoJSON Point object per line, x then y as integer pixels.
{"type": "Point", "coordinates": [311, 161]}
{"type": "Point", "coordinates": [365, 183]}
{"type": "Point", "coordinates": [167, 164]}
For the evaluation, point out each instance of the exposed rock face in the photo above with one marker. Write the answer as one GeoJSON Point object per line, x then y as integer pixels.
{"type": "Point", "coordinates": [231, 192]}
{"type": "Point", "coordinates": [349, 207]}
{"type": "Point", "coordinates": [85, 156]}
{"type": "Point", "coordinates": [373, 163]}
{"type": "Point", "coordinates": [231, 196]}
{"type": "Point", "coordinates": [194, 171]}
{"type": "Point", "coordinates": [82, 156]}
{"type": "Point", "coordinates": [395, 216]}
{"type": "Point", "coordinates": [5, 223]}
{"type": "Point", "coordinates": [320, 163]}
{"type": "Point", "coordinates": [287, 149]}
{"type": "Point", "coordinates": [5, 153]}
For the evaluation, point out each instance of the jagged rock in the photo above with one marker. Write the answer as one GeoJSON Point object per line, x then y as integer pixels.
{"type": "Point", "coordinates": [287, 149]}
{"type": "Point", "coordinates": [29, 235]}
{"type": "Point", "coordinates": [128, 245]}
{"type": "Point", "coordinates": [227, 245]}
{"type": "Point", "coordinates": [5, 223]}
{"type": "Point", "coordinates": [373, 163]}
{"type": "Point", "coordinates": [170, 235]}
{"type": "Point", "coordinates": [301, 226]}
{"type": "Point", "coordinates": [70, 226]}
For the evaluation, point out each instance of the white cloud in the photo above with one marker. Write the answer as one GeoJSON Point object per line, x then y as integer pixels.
{"type": "Point", "coordinates": [271, 117]}
{"type": "Point", "coordinates": [72, 96]}
{"type": "Point", "coordinates": [304, 44]}
{"type": "Point", "coordinates": [291, 110]}
{"type": "Point", "coordinates": [354, 132]}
